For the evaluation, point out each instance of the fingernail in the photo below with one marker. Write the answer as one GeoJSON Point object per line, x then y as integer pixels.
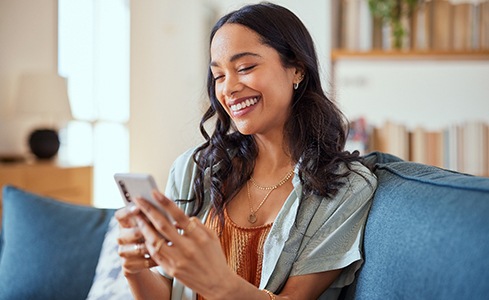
{"type": "Point", "coordinates": [133, 208]}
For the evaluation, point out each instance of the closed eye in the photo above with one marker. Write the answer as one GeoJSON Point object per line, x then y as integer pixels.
{"type": "Point", "coordinates": [218, 77]}
{"type": "Point", "coordinates": [244, 70]}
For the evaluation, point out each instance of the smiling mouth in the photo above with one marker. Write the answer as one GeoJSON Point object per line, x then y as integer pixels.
{"type": "Point", "coordinates": [244, 104]}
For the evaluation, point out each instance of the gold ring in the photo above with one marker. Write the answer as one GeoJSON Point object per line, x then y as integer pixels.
{"type": "Point", "coordinates": [190, 227]}
{"type": "Point", "coordinates": [159, 244]}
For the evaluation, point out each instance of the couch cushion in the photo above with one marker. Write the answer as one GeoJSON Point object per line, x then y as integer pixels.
{"type": "Point", "coordinates": [426, 236]}
{"type": "Point", "coordinates": [50, 248]}
{"type": "Point", "coordinates": [109, 281]}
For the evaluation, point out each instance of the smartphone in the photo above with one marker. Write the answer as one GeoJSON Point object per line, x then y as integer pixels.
{"type": "Point", "coordinates": [134, 185]}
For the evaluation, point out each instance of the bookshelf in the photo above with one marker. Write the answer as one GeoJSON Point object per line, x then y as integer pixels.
{"type": "Point", "coordinates": [433, 27]}
{"type": "Point", "coordinates": [462, 147]}
{"type": "Point", "coordinates": [419, 121]}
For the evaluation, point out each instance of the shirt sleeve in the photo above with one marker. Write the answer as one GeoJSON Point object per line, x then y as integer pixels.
{"type": "Point", "coordinates": [335, 238]}
{"type": "Point", "coordinates": [178, 185]}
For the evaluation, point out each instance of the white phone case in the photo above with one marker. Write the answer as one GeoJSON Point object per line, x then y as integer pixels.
{"type": "Point", "coordinates": [134, 185]}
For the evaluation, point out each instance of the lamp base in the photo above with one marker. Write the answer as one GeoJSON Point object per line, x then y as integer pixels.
{"type": "Point", "coordinates": [44, 143]}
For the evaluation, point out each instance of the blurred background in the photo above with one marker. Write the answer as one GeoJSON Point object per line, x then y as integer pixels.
{"type": "Point", "coordinates": [133, 73]}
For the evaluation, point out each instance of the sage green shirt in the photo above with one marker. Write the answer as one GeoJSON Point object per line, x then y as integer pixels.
{"type": "Point", "coordinates": [319, 235]}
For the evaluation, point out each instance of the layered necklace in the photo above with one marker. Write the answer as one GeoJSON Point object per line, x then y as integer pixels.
{"type": "Point", "coordinates": [252, 216]}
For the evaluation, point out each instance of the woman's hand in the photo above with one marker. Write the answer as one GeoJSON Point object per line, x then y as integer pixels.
{"type": "Point", "coordinates": [187, 250]}
{"type": "Point", "coordinates": [132, 248]}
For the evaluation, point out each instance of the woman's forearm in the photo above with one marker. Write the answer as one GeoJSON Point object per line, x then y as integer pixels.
{"type": "Point", "coordinates": [149, 285]}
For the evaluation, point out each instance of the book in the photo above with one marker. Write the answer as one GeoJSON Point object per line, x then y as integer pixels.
{"type": "Point", "coordinates": [377, 26]}
{"type": "Point", "coordinates": [417, 28]}
{"type": "Point", "coordinates": [336, 24]}
{"type": "Point", "coordinates": [483, 17]}
{"type": "Point", "coordinates": [418, 145]}
{"type": "Point", "coordinates": [438, 15]}
{"type": "Point", "coordinates": [350, 24]}
{"type": "Point", "coordinates": [365, 26]}
{"type": "Point", "coordinates": [462, 26]}
{"type": "Point", "coordinates": [474, 147]}
{"type": "Point", "coordinates": [434, 148]}
{"type": "Point", "coordinates": [393, 138]}
{"type": "Point", "coordinates": [358, 136]}
{"type": "Point", "coordinates": [355, 25]}
{"type": "Point", "coordinates": [451, 147]}
{"type": "Point", "coordinates": [387, 40]}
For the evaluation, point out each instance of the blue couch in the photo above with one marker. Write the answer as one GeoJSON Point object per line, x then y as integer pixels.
{"type": "Point", "coordinates": [427, 234]}
{"type": "Point", "coordinates": [427, 237]}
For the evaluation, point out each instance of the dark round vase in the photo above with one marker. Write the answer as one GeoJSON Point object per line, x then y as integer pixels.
{"type": "Point", "coordinates": [44, 143]}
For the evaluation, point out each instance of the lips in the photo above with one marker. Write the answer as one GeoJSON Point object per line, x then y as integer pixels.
{"type": "Point", "coordinates": [244, 104]}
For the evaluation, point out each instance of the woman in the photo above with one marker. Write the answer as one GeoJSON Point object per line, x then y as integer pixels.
{"type": "Point", "coordinates": [278, 207]}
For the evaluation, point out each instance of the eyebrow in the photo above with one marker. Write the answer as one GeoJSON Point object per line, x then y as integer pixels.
{"type": "Point", "coordinates": [236, 57]}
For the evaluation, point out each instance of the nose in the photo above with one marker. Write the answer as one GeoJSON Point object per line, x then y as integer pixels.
{"type": "Point", "coordinates": [231, 85]}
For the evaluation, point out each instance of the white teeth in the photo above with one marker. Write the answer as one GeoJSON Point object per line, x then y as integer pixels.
{"type": "Point", "coordinates": [244, 104]}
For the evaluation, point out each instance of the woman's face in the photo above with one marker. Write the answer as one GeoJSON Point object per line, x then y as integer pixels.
{"type": "Point", "coordinates": [251, 83]}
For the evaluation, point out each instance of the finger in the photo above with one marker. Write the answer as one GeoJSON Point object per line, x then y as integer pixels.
{"type": "Point", "coordinates": [133, 250]}
{"type": "Point", "coordinates": [149, 263]}
{"type": "Point", "coordinates": [157, 224]}
{"type": "Point", "coordinates": [130, 236]}
{"type": "Point", "coordinates": [182, 221]}
{"type": "Point", "coordinates": [133, 266]}
{"type": "Point", "coordinates": [152, 237]}
{"type": "Point", "coordinates": [163, 252]}
{"type": "Point", "coordinates": [125, 215]}
{"type": "Point", "coordinates": [180, 218]}
{"type": "Point", "coordinates": [192, 224]}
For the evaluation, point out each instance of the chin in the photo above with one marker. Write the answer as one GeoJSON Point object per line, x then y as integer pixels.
{"type": "Point", "coordinates": [245, 132]}
{"type": "Point", "coordinates": [243, 128]}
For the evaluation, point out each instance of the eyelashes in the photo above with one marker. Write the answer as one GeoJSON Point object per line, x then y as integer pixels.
{"type": "Point", "coordinates": [240, 71]}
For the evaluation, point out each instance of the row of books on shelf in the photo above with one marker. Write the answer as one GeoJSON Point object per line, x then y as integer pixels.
{"type": "Point", "coordinates": [460, 147]}
{"type": "Point", "coordinates": [436, 25]}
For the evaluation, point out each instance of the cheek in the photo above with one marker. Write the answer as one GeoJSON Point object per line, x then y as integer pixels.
{"type": "Point", "coordinates": [222, 100]}
{"type": "Point", "coordinates": [219, 92]}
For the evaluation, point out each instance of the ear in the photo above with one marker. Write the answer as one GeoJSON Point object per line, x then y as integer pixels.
{"type": "Point", "coordinates": [299, 75]}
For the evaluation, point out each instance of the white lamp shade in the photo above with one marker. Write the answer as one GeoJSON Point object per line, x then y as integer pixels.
{"type": "Point", "coordinates": [44, 95]}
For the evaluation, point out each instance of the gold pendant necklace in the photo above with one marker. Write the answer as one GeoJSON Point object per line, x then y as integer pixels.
{"type": "Point", "coordinates": [252, 216]}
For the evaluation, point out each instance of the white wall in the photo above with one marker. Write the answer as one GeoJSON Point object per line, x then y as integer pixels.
{"type": "Point", "coordinates": [169, 58]}
{"type": "Point", "coordinates": [168, 55]}
{"type": "Point", "coordinates": [28, 39]}
{"type": "Point", "coordinates": [432, 94]}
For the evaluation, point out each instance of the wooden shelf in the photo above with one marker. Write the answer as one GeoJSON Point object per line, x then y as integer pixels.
{"type": "Point", "coordinates": [409, 55]}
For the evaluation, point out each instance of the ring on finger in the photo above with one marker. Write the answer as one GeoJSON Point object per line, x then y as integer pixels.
{"type": "Point", "coordinates": [147, 263]}
{"type": "Point", "coordinates": [139, 249]}
{"type": "Point", "coordinates": [190, 227]}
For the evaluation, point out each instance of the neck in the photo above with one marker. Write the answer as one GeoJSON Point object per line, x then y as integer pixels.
{"type": "Point", "coordinates": [273, 161]}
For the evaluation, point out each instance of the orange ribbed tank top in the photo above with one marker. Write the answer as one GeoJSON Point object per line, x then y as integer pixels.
{"type": "Point", "coordinates": [243, 247]}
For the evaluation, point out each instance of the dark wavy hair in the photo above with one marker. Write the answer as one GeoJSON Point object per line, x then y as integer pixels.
{"type": "Point", "coordinates": [315, 132]}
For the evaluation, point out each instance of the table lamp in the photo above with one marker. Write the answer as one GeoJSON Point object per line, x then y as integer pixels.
{"type": "Point", "coordinates": [44, 95]}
